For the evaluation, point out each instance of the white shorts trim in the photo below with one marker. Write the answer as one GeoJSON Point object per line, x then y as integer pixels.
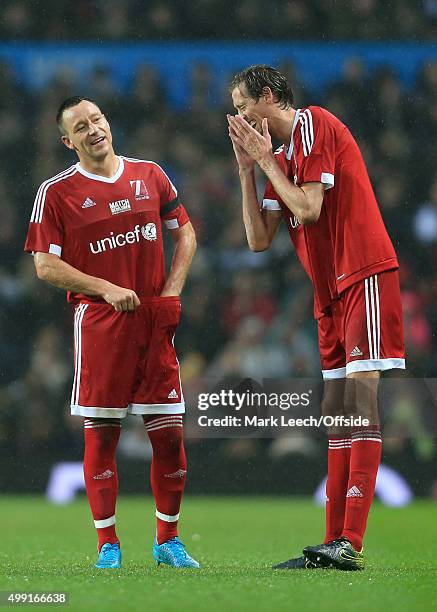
{"type": "Point", "coordinates": [120, 413]}
{"type": "Point", "coordinates": [78, 318]}
{"type": "Point", "coordinates": [373, 318]}
{"type": "Point", "coordinates": [335, 373]}
{"type": "Point", "coordinates": [367, 365]}
{"type": "Point", "coordinates": [94, 411]}
{"type": "Point", "coordinates": [157, 408]}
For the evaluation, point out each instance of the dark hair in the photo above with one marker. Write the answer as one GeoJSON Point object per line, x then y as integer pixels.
{"type": "Point", "coordinates": [259, 76]}
{"type": "Point", "coordinates": [69, 103]}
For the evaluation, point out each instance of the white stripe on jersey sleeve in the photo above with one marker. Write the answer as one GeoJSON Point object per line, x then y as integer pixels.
{"type": "Point", "coordinates": [38, 206]}
{"type": "Point", "coordinates": [310, 127]}
{"type": "Point", "coordinates": [306, 131]}
{"type": "Point", "coordinates": [303, 138]}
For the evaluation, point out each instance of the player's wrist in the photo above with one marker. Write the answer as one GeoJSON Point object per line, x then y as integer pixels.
{"type": "Point", "coordinates": [170, 291]}
{"type": "Point", "coordinates": [267, 162]}
{"type": "Point", "coordinates": [246, 169]}
{"type": "Point", "coordinates": [104, 288]}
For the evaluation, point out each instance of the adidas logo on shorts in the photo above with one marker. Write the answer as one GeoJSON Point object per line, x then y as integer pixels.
{"type": "Point", "coordinates": [173, 394]}
{"type": "Point", "coordinates": [356, 352]}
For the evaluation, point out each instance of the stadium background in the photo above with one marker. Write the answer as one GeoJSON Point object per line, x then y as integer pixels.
{"type": "Point", "coordinates": [373, 64]}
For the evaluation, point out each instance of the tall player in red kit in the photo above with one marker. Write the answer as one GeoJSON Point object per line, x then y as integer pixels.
{"type": "Point", "coordinates": [318, 183]}
{"type": "Point", "coordinates": [96, 231]}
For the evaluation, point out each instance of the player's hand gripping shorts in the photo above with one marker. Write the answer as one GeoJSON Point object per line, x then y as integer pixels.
{"type": "Point", "coordinates": [363, 330]}
{"type": "Point", "coordinates": [126, 361]}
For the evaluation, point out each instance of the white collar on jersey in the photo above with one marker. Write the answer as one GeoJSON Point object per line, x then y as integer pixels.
{"type": "Point", "coordinates": [290, 148]}
{"type": "Point", "coordinates": [103, 179]}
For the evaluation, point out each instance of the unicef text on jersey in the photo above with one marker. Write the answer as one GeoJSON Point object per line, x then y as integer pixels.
{"type": "Point", "coordinates": [148, 232]}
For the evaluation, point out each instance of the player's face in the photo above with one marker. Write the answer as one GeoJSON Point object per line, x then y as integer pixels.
{"type": "Point", "coordinates": [252, 110]}
{"type": "Point", "coordinates": [87, 131]}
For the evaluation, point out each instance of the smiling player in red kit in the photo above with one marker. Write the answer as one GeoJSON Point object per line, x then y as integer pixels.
{"type": "Point", "coordinates": [96, 232]}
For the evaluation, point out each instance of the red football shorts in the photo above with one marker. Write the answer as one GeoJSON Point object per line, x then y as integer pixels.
{"type": "Point", "coordinates": [363, 329]}
{"type": "Point", "coordinates": [126, 361]}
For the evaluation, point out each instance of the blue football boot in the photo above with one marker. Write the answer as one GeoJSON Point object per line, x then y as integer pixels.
{"type": "Point", "coordinates": [109, 556]}
{"type": "Point", "coordinates": [173, 553]}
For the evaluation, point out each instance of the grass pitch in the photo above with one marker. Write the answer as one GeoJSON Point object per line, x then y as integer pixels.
{"type": "Point", "coordinates": [49, 548]}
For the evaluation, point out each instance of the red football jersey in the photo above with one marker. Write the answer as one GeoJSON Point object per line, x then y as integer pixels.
{"type": "Point", "coordinates": [272, 202]}
{"type": "Point", "coordinates": [349, 241]}
{"type": "Point", "coordinates": [110, 228]}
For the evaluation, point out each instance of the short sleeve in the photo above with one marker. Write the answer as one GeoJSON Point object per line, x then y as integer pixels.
{"type": "Point", "coordinates": [270, 199]}
{"type": "Point", "coordinates": [172, 211]}
{"type": "Point", "coordinates": [271, 202]}
{"type": "Point", "coordinates": [176, 217]}
{"type": "Point", "coordinates": [45, 233]}
{"type": "Point", "coordinates": [318, 148]}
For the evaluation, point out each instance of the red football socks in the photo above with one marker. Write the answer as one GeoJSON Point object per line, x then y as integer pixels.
{"type": "Point", "coordinates": [364, 462]}
{"type": "Point", "coordinates": [168, 471]}
{"type": "Point", "coordinates": [100, 470]}
{"type": "Point", "coordinates": [339, 452]}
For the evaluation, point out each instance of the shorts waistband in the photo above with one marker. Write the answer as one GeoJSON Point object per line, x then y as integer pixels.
{"type": "Point", "coordinates": [144, 301]}
{"type": "Point", "coordinates": [158, 298]}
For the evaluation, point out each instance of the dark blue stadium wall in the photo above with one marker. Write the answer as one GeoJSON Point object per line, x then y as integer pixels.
{"type": "Point", "coordinates": [316, 64]}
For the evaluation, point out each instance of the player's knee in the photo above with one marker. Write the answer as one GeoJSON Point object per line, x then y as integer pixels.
{"type": "Point", "coordinates": [333, 397]}
{"type": "Point", "coordinates": [172, 440]}
{"type": "Point", "coordinates": [333, 407]}
{"type": "Point", "coordinates": [361, 398]}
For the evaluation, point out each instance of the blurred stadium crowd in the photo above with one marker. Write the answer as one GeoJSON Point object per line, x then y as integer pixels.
{"type": "Point", "coordinates": [246, 314]}
{"type": "Point", "coordinates": [218, 19]}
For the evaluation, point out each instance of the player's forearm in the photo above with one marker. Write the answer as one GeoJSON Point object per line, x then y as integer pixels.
{"type": "Point", "coordinates": [57, 272]}
{"type": "Point", "coordinates": [182, 257]}
{"type": "Point", "coordinates": [256, 230]}
{"type": "Point", "coordinates": [292, 196]}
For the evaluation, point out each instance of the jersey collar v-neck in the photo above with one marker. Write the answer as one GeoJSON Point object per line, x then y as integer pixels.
{"type": "Point", "coordinates": [103, 179]}
{"type": "Point", "coordinates": [290, 147]}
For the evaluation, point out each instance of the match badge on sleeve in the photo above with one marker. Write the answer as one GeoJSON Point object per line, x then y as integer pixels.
{"type": "Point", "coordinates": [140, 190]}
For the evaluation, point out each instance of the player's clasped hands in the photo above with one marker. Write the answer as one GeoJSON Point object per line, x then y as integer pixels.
{"type": "Point", "coordinates": [244, 135]}
{"type": "Point", "coordinates": [123, 300]}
